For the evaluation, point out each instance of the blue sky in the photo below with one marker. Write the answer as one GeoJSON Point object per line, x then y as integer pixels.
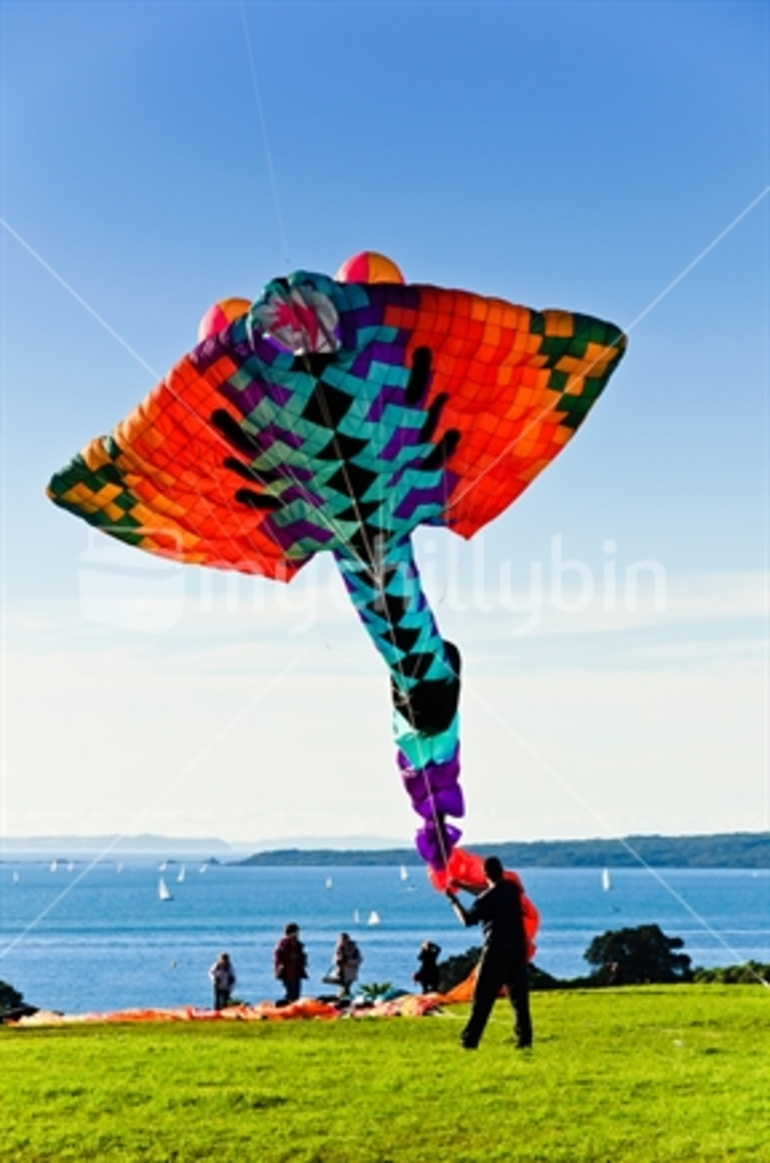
{"type": "Point", "coordinates": [610, 158]}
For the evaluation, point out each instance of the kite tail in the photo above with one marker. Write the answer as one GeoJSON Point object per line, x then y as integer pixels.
{"type": "Point", "coordinates": [425, 684]}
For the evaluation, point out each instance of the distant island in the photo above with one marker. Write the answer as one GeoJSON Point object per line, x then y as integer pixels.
{"type": "Point", "coordinates": [112, 845]}
{"type": "Point", "coordinates": [723, 850]}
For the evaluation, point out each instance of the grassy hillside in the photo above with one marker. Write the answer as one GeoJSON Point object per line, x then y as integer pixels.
{"type": "Point", "coordinates": [642, 1075]}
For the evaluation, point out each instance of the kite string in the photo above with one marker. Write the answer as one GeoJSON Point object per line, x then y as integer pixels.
{"type": "Point", "coordinates": [265, 135]}
{"type": "Point", "coordinates": [78, 298]}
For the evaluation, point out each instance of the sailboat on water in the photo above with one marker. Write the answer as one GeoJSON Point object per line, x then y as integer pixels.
{"type": "Point", "coordinates": [164, 892]}
{"type": "Point", "coordinates": [606, 879]}
{"type": "Point", "coordinates": [374, 918]}
{"type": "Point", "coordinates": [403, 873]}
{"type": "Point", "coordinates": [181, 875]}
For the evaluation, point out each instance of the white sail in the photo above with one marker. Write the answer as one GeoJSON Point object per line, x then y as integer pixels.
{"type": "Point", "coordinates": [181, 875]}
{"type": "Point", "coordinates": [162, 866]}
{"type": "Point", "coordinates": [606, 880]}
{"type": "Point", "coordinates": [203, 868]}
{"type": "Point", "coordinates": [164, 892]}
{"type": "Point", "coordinates": [71, 866]}
{"type": "Point", "coordinates": [374, 918]}
{"type": "Point", "coordinates": [54, 865]}
{"type": "Point", "coordinates": [329, 882]}
{"type": "Point", "coordinates": [356, 917]}
{"type": "Point", "coordinates": [404, 874]}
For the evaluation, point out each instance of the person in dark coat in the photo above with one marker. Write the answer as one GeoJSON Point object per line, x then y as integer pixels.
{"type": "Point", "coordinates": [504, 959]}
{"type": "Point", "coordinates": [290, 962]}
{"type": "Point", "coordinates": [427, 975]}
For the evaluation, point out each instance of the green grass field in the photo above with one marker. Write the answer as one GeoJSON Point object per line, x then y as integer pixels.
{"type": "Point", "coordinates": [642, 1075]}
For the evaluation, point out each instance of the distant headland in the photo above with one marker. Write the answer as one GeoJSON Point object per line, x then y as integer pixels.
{"type": "Point", "coordinates": [722, 850]}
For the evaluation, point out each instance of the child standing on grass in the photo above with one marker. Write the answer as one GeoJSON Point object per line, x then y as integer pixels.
{"type": "Point", "coordinates": [222, 975]}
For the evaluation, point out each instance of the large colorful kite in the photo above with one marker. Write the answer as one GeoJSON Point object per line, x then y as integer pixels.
{"type": "Point", "coordinates": [340, 414]}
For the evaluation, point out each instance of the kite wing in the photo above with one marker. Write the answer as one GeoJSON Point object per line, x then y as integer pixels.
{"type": "Point", "coordinates": [516, 384]}
{"type": "Point", "coordinates": [398, 405]}
{"type": "Point", "coordinates": [167, 481]}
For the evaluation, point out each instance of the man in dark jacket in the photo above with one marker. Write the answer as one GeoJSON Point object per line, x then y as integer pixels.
{"type": "Point", "coordinates": [504, 960]}
{"type": "Point", "coordinates": [290, 962]}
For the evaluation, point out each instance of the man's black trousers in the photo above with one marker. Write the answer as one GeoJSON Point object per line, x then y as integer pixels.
{"type": "Point", "coordinates": [498, 968]}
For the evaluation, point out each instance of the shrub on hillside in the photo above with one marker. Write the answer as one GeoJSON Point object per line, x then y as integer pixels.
{"type": "Point", "coordinates": [540, 980]}
{"type": "Point", "coordinates": [621, 957]}
{"type": "Point", "coordinates": [751, 973]}
{"type": "Point", "coordinates": [636, 957]}
{"type": "Point", "coordinates": [455, 969]}
{"type": "Point", "coordinates": [10, 998]}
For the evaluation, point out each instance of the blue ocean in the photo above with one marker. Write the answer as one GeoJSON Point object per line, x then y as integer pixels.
{"type": "Point", "coordinates": [77, 938]}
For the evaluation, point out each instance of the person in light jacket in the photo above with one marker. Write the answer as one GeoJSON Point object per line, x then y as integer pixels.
{"type": "Point", "coordinates": [347, 961]}
{"type": "Point", "coordinates": [222, 976]}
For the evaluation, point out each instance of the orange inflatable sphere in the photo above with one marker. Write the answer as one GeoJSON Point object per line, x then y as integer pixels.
{"type": "Point", "coordinates": [221, 315]}
{"type": "Point", "coordinates": [466, 870]}
{"type": "Point", "coordinates": [369, 267]}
